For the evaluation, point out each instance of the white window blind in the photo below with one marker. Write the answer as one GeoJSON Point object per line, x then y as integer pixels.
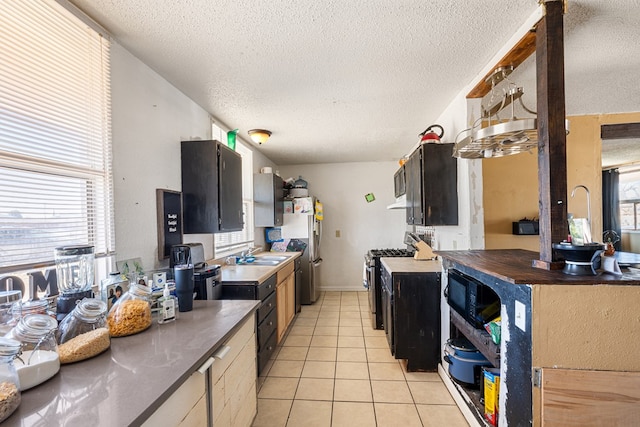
{"type": "Point", "coordinates": [55, 134]}
{"type": "Point", "coordinates": [228, 243]}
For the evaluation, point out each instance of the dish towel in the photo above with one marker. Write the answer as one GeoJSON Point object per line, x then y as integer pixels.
{"type": "Point", "coordinates": [610, 265]}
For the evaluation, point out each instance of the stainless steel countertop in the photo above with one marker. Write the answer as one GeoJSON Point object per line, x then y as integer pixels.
{"type": "Point", "coordinates": [410, 265]}
{"type": "Point", "coordinates": [126, 384]}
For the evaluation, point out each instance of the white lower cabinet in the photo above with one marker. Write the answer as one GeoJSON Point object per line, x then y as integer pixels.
{"type": "Point", "coordinates": [232, 397]}
{"type": "Point", "coordinates": [233, 378]}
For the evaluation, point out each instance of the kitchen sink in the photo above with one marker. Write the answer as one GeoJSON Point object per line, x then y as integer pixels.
{"type": "Point", "coordinates": [266, 260]}
{"type": "Point", "coordinates": [272, 257]}
{"type": "Point", "coordinates": [269, 262]}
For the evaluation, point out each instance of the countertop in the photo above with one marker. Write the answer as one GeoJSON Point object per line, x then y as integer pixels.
{"type": "Point", "coordinates": [410, 265]}
{"type": "Point", "coordinates": [515, 266]}
{"type": "Point", "coordinates": [242, 273]}
{"type": "Point", "coordinates": [126, 384]}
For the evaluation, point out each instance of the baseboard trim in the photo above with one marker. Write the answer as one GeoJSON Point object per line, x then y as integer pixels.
{"type": "Point", "coordinates": [341, 289]}
{"type": "Point", "coordinates": [457, 397]}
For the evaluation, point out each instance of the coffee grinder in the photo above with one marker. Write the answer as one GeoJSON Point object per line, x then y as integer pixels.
{"type": "Point", "coordinates": [74, 270]}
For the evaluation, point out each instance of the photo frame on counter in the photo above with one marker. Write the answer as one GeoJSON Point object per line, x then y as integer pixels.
{"type": "Point", "coordinates": [169, 208]}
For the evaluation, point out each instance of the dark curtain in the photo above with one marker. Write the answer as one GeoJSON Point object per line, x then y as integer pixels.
{"type": "Point", "coordinates": [610, 203]}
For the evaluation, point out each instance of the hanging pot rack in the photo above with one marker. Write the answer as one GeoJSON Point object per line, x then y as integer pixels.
{"type": "Point", "coordinates": [500, 137]}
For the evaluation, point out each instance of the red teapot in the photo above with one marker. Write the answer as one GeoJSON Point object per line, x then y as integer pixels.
{"type": "Point", "coordinates": [429, 136]}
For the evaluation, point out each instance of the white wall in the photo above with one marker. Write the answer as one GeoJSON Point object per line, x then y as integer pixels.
{"type": "Point", "coordinates": [149, 119]}
{"type": "Point", "coordinates": [341, 188]}
{"type": "Point", "coordinates": [469, 233]}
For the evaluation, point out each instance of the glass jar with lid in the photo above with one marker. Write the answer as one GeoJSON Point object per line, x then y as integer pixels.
{"type": "Point", "coordinates": [7, 300]}
{"type": "Point", "coordinates": [10, 396]}
{"type": "Point", "coordinates": [39, 360]}
{"type": "Point", "coordinates": [131, 313]}
{"type": "Point", "coordinates": [89, 314]}
{"type": "Point", "coordinates": [83, 333]}
{"type": "Point", "coordinates": [20, 309]}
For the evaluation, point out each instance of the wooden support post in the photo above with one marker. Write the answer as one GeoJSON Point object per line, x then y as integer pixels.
{"type": "Point", "coordinates": [552, 153]}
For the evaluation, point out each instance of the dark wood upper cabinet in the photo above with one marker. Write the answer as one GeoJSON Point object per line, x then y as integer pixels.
{"type": "Point", "coordinates": [211, 187]}
{"type": "Point", "coordinates": [432, 186]}
{"type": "Point", "coordinates": [268, 199]}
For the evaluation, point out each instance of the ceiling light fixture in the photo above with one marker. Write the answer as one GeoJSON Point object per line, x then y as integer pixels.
{"type": "Point", "coordinates": [259, 136]}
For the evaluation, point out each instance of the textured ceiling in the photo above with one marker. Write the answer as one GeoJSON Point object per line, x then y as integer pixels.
{"type": "Point", "coordinates": [342, 81]}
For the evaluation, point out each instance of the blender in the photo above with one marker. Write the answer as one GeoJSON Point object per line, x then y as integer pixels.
{"type": "Point", "coordinates": [74, 269]}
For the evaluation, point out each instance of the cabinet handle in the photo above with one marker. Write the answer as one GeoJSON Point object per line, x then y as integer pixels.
{"type": "Point", "coordinates": [270, 305]}
{"type": "Point", "coordinates": [202, 369]}
{"type": "Point", "coordinates": [220, 354]}
{"type": "Point", "coordinates": [271, 323]}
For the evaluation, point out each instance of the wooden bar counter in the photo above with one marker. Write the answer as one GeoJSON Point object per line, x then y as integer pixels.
{"type": "Point", "coordinates": [561, 335]}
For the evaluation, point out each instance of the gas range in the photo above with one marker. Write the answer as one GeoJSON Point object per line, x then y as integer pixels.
{"type": "Point", "coordinates": [391, 253]}
{"type": "Point", "coordinates": [374, 279]}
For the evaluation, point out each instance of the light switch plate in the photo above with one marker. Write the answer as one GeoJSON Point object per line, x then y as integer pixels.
{"type": "Point", "coordinates": [521, 316]}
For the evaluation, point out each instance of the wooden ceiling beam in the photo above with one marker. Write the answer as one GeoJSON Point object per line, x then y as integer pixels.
{"type": "Point", "coordinates": [516, 56]}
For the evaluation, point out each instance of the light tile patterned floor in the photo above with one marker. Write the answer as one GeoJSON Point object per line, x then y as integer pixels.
{"type": "Point", "coordinates": [333, 369]}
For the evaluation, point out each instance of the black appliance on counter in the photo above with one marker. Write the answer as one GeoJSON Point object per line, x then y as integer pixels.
{"type": "Point", "coordinates": [186, 253]}
{"type": "Point", "coordinates": [207, 282]}
{"type": "Point", "coordinates": [474, 301]}
{"type": "Point", "coordinates": [206, 278]}
{"type": "Point", "coordinates": [373, 280]}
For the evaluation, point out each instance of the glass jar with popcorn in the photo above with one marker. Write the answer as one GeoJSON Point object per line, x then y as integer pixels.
{"type": "Point", "coordinates": [83, 333]}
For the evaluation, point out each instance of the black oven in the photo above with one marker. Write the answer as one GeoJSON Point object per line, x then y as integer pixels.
{"type": "Point", "coordinates": [473, 300]}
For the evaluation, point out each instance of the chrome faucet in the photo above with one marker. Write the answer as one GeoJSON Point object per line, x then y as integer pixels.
{"type": "Point", "coordinates": [249, 252]}
{"type": "Point", "coordinates": [573, 192]}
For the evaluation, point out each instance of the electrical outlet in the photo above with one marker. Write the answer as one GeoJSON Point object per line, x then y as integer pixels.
{"type": "Point", "coordinates": [337, 233]}
{"type": "Point", "coordinates": [521, 316]}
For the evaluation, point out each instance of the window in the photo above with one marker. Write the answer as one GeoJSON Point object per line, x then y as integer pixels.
{"type": "Point", "coordinates": [55, 134]}
{"type": "Point", "coordinates": [228, 243]}
{"type": "Point", "coordinates": [629, 193]}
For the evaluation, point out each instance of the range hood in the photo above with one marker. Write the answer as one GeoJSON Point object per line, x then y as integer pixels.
{"type": "Point", "coordinates": [400, 203]}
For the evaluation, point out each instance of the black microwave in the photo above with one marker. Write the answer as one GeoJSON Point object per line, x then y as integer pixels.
{"type": "Point", "coordinates": [474, 301]}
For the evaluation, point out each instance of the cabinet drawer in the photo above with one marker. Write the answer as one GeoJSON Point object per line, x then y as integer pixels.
{"type": "Point", "coordinates": [224, 357]}
{"type": "Point", "coordinates": [266, 328]}
{"type": "Point", "coordinates": [266, 287]}
{"type": "Point", "coordinates": [181, 403]}
{"type": "Point", "coordinates": [265, 352]}
{"type": "Point", "coordinates": [266, 307]}
{"type": "Point", "coordinates": [234, 387]}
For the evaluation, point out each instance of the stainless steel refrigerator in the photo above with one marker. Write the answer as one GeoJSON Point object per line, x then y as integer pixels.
{"type": "Point", "coordinates": [305, 227]}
